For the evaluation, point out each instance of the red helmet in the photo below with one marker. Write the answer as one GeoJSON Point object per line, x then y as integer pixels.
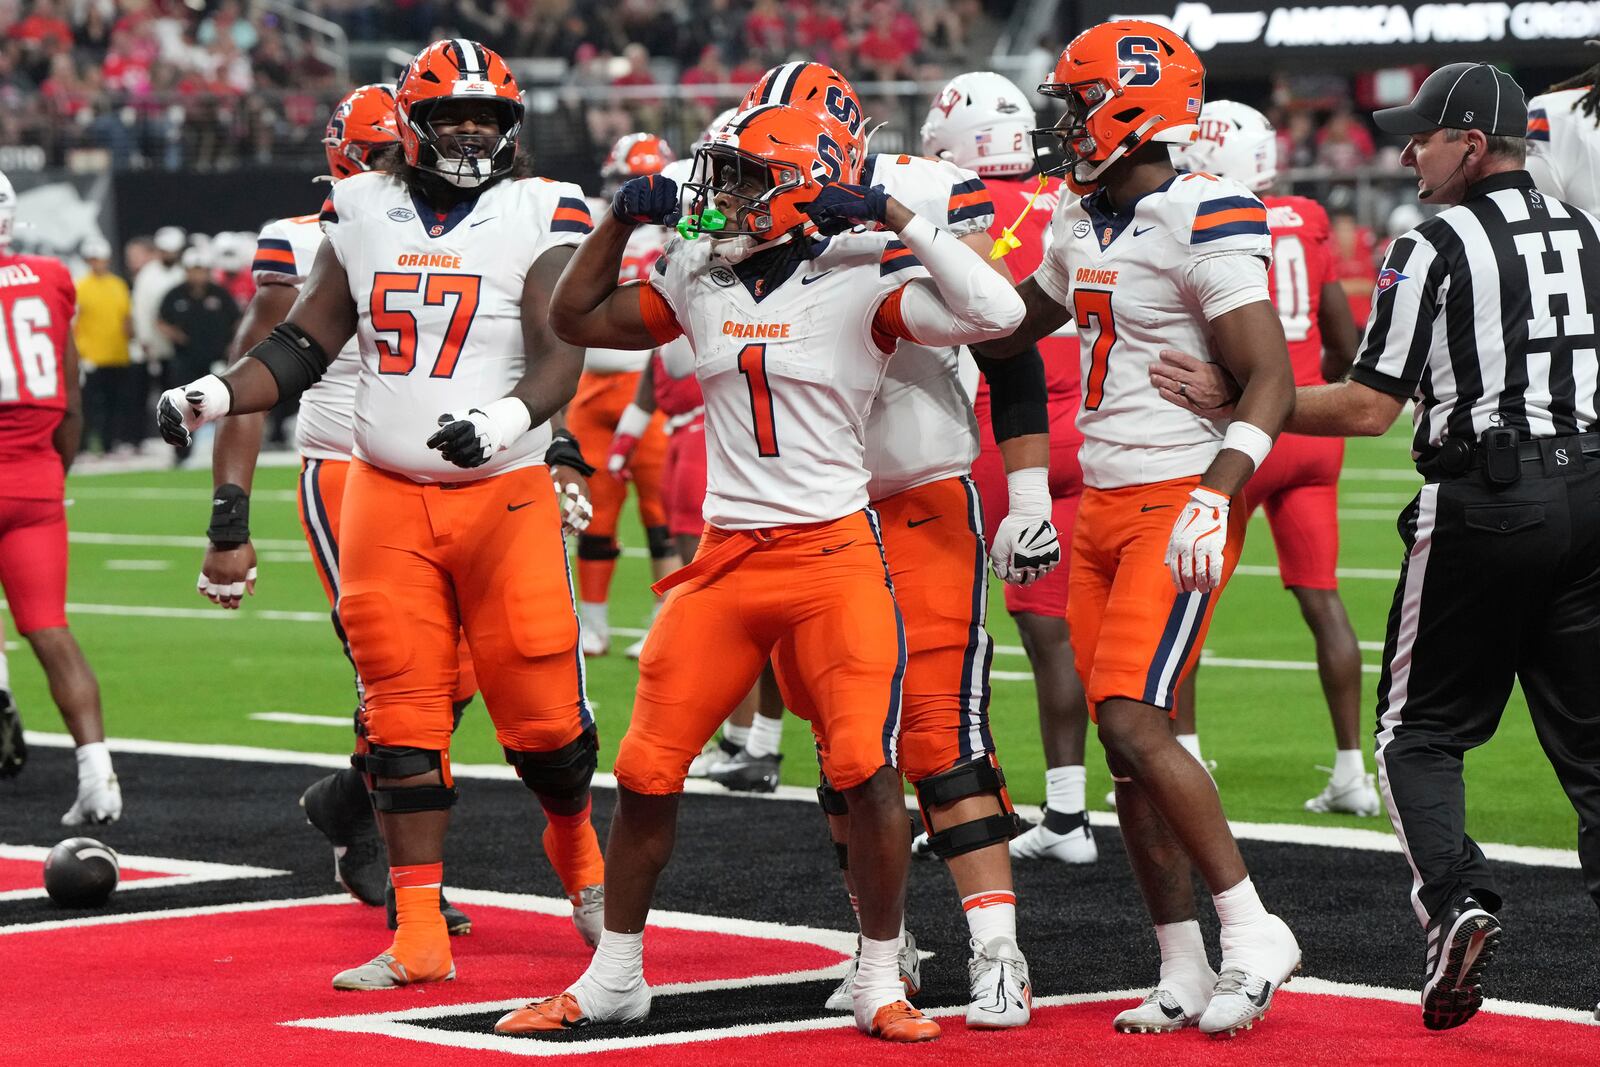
{"type": "Point", "coordinates": [451, 71]}
{"type": "Point", "coordinates": [635, 155]}
{"type": "Point", "coordinates": [1126, 84]}
{"type": "Point", "coordinates": [762, 165]}
{"type": "Point", "coordinates": [363, 122]}
{"type": "Point", "coordinates": [816, 88]}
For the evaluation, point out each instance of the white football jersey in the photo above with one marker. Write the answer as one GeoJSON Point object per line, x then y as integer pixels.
{"type": "Point", "coordinates": [439, 301]}
{"type": "Point", "coordinates": [1128, 281]}
{"type": "Point", "coordinates": [325, 427]}
{"type": "Point", "coordinates": [922, 429]}
{"type": "Point", "coordinates": [789, 368]}
{"type": "Point", "coordinates": [644, 245]}
{"type": "Point", "coordinates": [1564, 149]}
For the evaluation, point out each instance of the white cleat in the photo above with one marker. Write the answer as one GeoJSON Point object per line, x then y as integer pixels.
{"type": "Point", "coordinates": [595, 641]}
{"type": "Point", "coordinates": [1244, 991]}
{"type": "Point", "coordinates": [717, 750]}
{"type": "Point", "coordinates": [1002, 997]}
{"type": "Point", "coordinates": [1355, 796]}
{"type": "Point", "coordinates": [1159, 1013]}
{"type": "Point", "coordinates": [589, 913]}
{"type": "Point", "coordinates": [841, 999]}
{"type": "Point", "coordinates": [99, 803]}
{"type": "Point", "coordinates": [384, 972]}
{"type": "Point", "coordinates": [1040, 842]}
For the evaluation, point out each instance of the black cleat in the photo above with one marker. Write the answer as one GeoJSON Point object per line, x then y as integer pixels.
{"type": "Point", "coordinates": [1462, 941]}
{"type": "Point", "coordinates": [338, 807]}
{"type": "Point", "coordinates": [455, 920]}
{"type": "Point", "coordinates": [13, 749]}
{"type": "Point", "coordinates": [745, 773]}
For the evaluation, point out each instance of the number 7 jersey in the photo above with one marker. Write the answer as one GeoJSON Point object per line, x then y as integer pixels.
{"type": "Point", "coordinates": [439, 303]}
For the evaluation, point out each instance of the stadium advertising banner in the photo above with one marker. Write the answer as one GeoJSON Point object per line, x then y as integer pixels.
{"type": "Point", "coordinates": [1254, 30]}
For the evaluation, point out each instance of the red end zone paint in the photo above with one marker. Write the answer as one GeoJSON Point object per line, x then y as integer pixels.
{"type": "Point", "coordinates": [29, 874]}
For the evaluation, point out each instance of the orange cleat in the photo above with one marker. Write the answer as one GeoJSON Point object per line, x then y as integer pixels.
{"type": "Point", "coordinates": [539, 1016]}
{"type": "Point", "coordinates": [901, 1023]}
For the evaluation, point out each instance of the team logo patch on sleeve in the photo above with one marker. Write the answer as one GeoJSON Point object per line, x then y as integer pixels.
{"type": "Point", "coordinates": [1389, 279]}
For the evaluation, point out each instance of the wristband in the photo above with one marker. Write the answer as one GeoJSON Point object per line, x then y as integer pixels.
{"type": "Point", "coordinates": [1028, 493]}
{"type": "Point", "coordinates": [230, 517]}
{"type": "Point", "coordinates": [564, 452]}
{"type": "Point", "coordinates": [633, 422]}
{"type": "Point", "coordinates": [511, 417]}
{"type": "Point", "coordinates": [1253, 441]}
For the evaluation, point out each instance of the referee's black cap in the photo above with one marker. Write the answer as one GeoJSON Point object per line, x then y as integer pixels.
{"type": "Point", "coordinates": [1462, 96]}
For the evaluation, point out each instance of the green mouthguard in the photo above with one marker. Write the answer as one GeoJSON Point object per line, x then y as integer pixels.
{"type": "Point", "coordinates": [708, 221]}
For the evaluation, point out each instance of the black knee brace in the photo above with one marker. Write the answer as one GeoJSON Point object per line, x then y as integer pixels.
{"type": "Point", "coordinates": [560, 775]}
{"type": "Point", "coordinates": [599, 549]}
{"type": "Point", "coordinates": [393, 761]}
{"type": "Point", "coordinates": [832, 801]}
{"type": "Point", "coordinates": [660, 541]}
{"type": "Point", "coordinates": [974, 779]}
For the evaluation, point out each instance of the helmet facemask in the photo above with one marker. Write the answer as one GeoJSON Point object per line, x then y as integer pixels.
{"type": "Point", "coordinates": [466, 160]}
{"type": "Point", "coordinates": [731, 193]}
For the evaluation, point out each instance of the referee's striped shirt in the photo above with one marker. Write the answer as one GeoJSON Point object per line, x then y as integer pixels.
{"type": "Point", "coordinates": [1486, 316]}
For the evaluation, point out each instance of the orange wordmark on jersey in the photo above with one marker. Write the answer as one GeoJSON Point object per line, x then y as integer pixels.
{"type": "Point", "coordinates": [429, 259]}
{"type": "Point", "coordinates": [1095, 276]}
{"type": "Point", "coordinates": [1095, 304]}
{"type": "Point", "coordinates": [755, 329]}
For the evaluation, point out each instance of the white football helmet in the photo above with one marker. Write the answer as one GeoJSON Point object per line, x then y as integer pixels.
{"type": "Point", "coordinates": [8, 211]}
{"type": "Point", "coordinates": [1236, 141]}
{"type": "Point", "coordinates": [981, 121]}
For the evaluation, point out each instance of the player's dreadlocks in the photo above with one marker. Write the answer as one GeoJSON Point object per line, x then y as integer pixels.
{"type": "Point", "coordinates": [1589, 102]}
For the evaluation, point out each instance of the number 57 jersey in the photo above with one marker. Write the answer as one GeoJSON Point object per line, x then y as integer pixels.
{"type": "Point", "coordinates": [439, 302]}
{"type": "Point", "coordinates": [1137, 282]}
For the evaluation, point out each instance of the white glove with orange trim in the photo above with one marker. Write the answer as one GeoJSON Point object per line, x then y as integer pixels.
{"type": "Point", "coordinates": [1195, 550]}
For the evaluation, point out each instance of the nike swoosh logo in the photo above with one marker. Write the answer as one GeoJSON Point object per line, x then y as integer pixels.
{"type": "Point", "coordinates": [837, 548]}
{"type": "Point", "coordinates": [1263, 995]}
{"type": "Point", "coordinates": [518, 507]}
{"type": "Point", "coordinates": [1137, 231]}
{"type": "Point", "coordinates": [815, 277]}
{"type": "Point", "coordinates": [912, 524]}
{"type": "Point", "coordinates": [480, 222]}
{"type": "Point", "coordinates": [1154, 507]}
{"type": "Point", "coordinates": [1171, 1011]}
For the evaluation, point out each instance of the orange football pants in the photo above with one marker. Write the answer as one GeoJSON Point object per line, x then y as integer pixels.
{"type": "Point", "coordinates": [321, 497]}
{"type": "Point", "coordinates": [592, 417]}
{"type": "Point", "coordinates": [423, 564]}
{"type": "Point", "coordinates": [815, 601]}
{"type": "Point", "coordinates": [1134, 635]}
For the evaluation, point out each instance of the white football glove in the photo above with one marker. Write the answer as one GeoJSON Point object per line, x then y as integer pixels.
{"type": "Point", "coordinates": [473, 439]}
{"type": "Point", "coordinates": [183, 410]}
{"type": "Point", "coordinates": [1195, 551]}
{"type": "Point", "coordinates": [576, 510]}
{"type": "Point", "coordinates": [1026, 546]}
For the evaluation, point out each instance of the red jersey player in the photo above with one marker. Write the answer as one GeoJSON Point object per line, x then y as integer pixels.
{"type": "Point", "coordinates": [41, 421]}
{"type": "Point", "coordinates": [980, 121]}
{"type": "Point", "coordinates": [1298, 483]}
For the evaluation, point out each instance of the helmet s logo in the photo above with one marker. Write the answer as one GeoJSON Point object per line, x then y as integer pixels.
{"type": "Point", "coordinates": [845, 109]}
{"type": "Point", "coordinates": [948, 100]}
{"type": "Point", "coordinates": [1138, 62]}
{"type": "Point", "coordinates": [830, 160]}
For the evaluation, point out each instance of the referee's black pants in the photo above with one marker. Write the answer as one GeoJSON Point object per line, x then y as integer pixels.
{"type": "Point", "coordinates": [1497, 584]}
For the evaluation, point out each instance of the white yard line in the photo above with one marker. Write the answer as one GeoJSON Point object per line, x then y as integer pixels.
{"type": "Point", "coordinates": [295, 718]}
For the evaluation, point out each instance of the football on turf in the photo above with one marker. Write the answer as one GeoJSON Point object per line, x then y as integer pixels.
{"type": "Point", "coordinates": [80, 872]}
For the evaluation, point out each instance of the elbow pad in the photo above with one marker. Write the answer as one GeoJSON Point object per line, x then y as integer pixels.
{"type": "Point", "coordinates": [293, 357]}
{"type": "Point", "coordinates": [1018, 398]}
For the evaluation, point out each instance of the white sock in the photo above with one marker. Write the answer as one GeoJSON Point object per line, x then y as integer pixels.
{"type": "Point", "coordinates": [595, 617]}
{"type": "Point", "coordinates": [738, 735]}
{"type": "Point", "coordinates": [878, 975]}
{"type": "Point", "coordinates": [1063, 789]}
{"type": "Point", "coordinates": [991, 915]}
{"type": "Point", "coordinates": [1347, 765]}
{"type": "Point", "coordinates": [1185, 970]}
{"type": "Point", "coordinates": [94, 762]}
{"type": "Point", "coordinates": [618, 961]}
{"type": "Point", "coordinates": [766, 736]}
{"type": "Point", "coordinates": [1239, 906]}
{"type": "Point", "coordinates": [1190, 743]}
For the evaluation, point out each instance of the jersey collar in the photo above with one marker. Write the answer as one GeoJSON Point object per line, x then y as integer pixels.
{"type": "Point", "coordinates": [764, 272]}
{"type": "Point", "coordinates": [432, 224]}
{"type": "Point", "coordinates": [1108, 225]}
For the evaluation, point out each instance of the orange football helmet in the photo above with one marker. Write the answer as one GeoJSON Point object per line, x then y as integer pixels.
{"type": "Point", "coordinates": [761, 166]}
{"type": "Point", "coordinates": [458, 70]}
{"type": "Point", "coordinates": [1126, 84]}
{"type": "Point", "coordinates": [635, 155]}
{"type": "Point", "coordinates": [363, 122]}
{"type": "Point", "coordinates": [814, 87]}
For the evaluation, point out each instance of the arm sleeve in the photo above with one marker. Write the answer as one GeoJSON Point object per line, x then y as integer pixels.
{"type": "Point", "coordinates": [1018, 395]}
{"type": "Point", "coordinates": [966, 300]}
{"type": "Point", "coordinates": [1220, 284]}
{"type": "Point", "coordinates": [1399, 337]}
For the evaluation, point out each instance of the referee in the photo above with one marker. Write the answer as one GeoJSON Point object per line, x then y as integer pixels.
{"type": "Point", "coordinates": [1485, 317]}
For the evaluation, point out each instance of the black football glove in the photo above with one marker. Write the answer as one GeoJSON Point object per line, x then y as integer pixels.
{"type": "Point", "coordinates": [651, 198]}
{"type": "Point", "coordinates": [839, 206]}
{"type": "Point", "coordinates": [467, 442]}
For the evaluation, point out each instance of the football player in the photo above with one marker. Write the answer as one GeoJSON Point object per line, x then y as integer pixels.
{"type": "Point", "coordinates": [1299, 482]}
{"type": "Point", "coordinates": [1142, 259]}
{"type": "Point", "coordinates": [13, 746]}
{"type": "Point", "coordinates": [1564, 139]}
{"type": "Point", "coordinates": [450, 521]}
{"type": "Point", "coordinates": [982, 122]}
{"type": "Point", "coordinates": [791, 319]}
{"type": "Point", "coordinates": [604, 407]}
{"type": "Point", "coordinates": [921, 439]}
{"type": "Point", "coordinates": [41, 425]}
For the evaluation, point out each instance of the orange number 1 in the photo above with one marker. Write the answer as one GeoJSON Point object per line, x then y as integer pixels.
{"type": "Point", "coordinates": [1096, 304]}
{"type": "Point", "coordinates": [753, 365]}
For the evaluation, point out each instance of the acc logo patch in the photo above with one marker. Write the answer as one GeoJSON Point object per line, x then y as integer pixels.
{"type": "Point", "coordinates": [724, 277]}
{"type": "Point", "coordinates": [1081, 228]}
{"type": "Point", "coordinates": [1389, 279]}
{"type": "Point", "coordinates": [402, 214]}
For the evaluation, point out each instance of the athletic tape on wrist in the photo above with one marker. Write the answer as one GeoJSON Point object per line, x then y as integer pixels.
{"type": "Point", "coordinates": [1253, 441]}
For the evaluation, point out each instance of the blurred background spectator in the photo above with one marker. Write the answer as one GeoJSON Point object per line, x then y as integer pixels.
{"type": "Point", "coordinates": [113, 394]}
